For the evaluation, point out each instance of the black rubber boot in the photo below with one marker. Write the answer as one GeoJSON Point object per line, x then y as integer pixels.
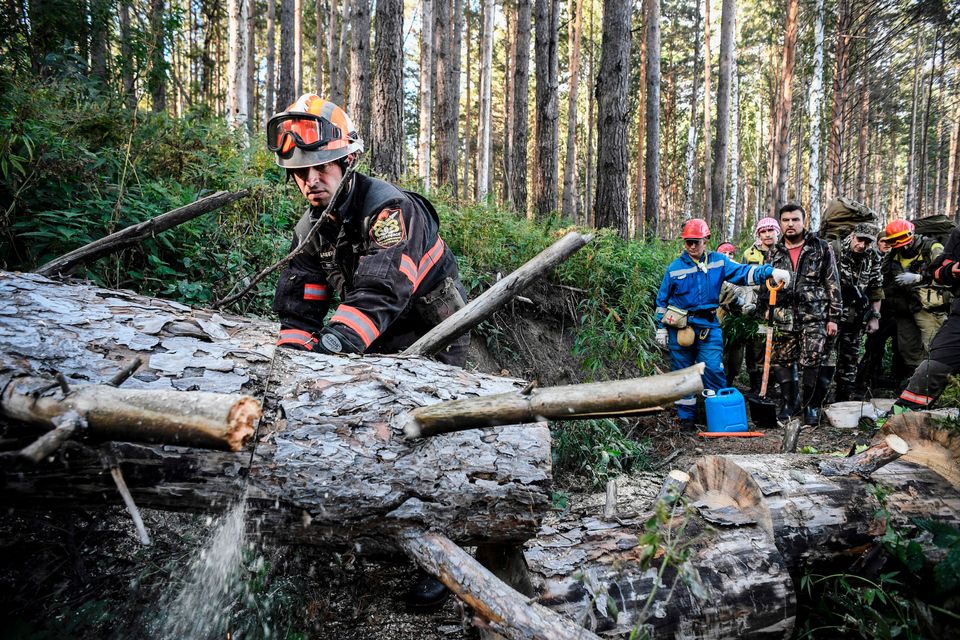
{"type": "Point", "coordinates": [816, 385]}
{"type": "Point", "coordinates": [755, 380]}
{"type": "Point", "coordinates": [787, 379]}
{"type": "Point", "coordinates": [427, 595]}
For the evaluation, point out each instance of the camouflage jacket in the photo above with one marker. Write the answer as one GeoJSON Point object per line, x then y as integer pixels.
{"type": "Point", "coordinates": [813, 296]}
{"type": "Point", "coordinates": [861, 281]}
{"type": "Point", "coordinates": [917, 258]}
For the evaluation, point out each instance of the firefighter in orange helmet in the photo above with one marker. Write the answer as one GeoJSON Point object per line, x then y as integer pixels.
{"type": "Point", "coordinates": [376, 249]}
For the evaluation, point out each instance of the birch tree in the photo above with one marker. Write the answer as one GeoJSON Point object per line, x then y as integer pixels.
{"type": "Point", "coordinates": [238, 46]}
{"type": "Point", "coordinates": [426, 92]}
{"type": "Point", "coordinates": [733, 194]}
{"type": "Point", "coordinates": [387, 130]}
{"type": "Point", "coordinates": [486, 84]}
{"type": "Point", "coordinates": [652, 189]}
{"type": "Point", "coordinates": [545, 164]}
{"type": "Point", "coordinates": [575, 32]}
{"type": "Point", "coordinates": [690, 155]}
{"type": "Point", "coordinates": [612, 206]}
{"type": "Point", "coordinates": [815, 112]}
{"type": "Point", "coordinates": [707, 129]}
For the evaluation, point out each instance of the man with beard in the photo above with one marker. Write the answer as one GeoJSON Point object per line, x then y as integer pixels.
{"type": "Point", "coordinates": [806, 314]}
{"type": "Point", "coordinates": [861, 286]}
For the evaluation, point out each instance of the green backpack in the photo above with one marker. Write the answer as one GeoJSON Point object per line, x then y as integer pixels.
{"type": "Point", "coordinates": [938, 226]}
{"type": "Point", "coordinates": [842, 215]}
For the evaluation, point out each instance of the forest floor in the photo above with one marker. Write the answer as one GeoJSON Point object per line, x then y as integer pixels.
{"type": "Point", "coordinates": [83, 575]}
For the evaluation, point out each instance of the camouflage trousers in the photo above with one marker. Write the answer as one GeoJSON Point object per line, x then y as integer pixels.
{"type": "Point", "coordinates": [843, 352]}
{"type": "Point", "coordinates": [805, 347]}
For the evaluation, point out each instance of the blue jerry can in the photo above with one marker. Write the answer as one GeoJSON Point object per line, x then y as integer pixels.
{"type": "Point", "coordinates": [726, 410]}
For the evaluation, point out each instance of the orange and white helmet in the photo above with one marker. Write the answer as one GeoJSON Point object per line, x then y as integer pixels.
{"type": "Point", "coordinates": [899, 233]}
{"type": "Point", "coordinates": [311, 131]}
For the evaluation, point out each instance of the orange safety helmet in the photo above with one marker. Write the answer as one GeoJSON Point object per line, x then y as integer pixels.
{"type": "Point", "coordinates": [311, 131]}
{"type": "Point", "coordinates": [899, 233]}
{"type": "Point", "coordinates": [695, 229]}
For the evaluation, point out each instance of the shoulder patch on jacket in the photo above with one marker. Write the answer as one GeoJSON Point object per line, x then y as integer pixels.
{"type": "Point", "coordinates": [388, 229]}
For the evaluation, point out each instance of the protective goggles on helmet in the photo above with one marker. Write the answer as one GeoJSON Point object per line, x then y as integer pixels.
{"type": "Point", "coordinates": [288, 130]}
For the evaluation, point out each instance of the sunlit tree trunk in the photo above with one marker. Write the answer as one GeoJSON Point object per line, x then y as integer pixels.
{"type": "Point", "coordinates": [269, 89]}
{"type": "Point", "coordinates": [781, 150]}
{"type": "Point", "coordinates": [286, 88]}
{"type": "Point", "coordinates": [570, 163]}
{"type": "Point", "coordinates": [707, 128]}
{"type": "Point", "coordinates": [690, 155]}
{"type": "Point", "coordinates": [320, 39]}
{"type": "Point", "coordinates": [863, 152]}
{"type": "Point", "coordinates": [334, 77]}
{"type": "Point", "coordinates": [733, 215]}
{"type": "Point", "coordinates": [547, 26]}
{"type": "Point", "coordinates": [911, 162]}
{"type": "Point", "coordinates": [949, 205]}
{"type": "Point", "coordinates": [612, 204]}
{"type": "Point", "coordinates": [838, 117]}
{"type": "Point", "coordinates": [448, 24]}
{"type": "Point", "coordinates": [426, 92]}
{"type": "Point", "coordinates": [728, 21]}
{"type": "Point", "coordinates": [486, 87]}
{"type": "Point", "coordinates": [387, 129]}
{"type": "Point", "coordinates": [639, 180]}
{"type": "Point", "coordinates": [237, 12]}
{"type": "Point", "coordinates": [298, 47]}
{"type": "Point", "coordinates": [815, 111]}
{"type": "Point", "coordinates": [359, 103]}
{"type": "Point", "coordinates": [467, 130]}
{"type": "Point", "coordinates": [588, 190]}
{"type": "Point", "coordinates": [925, 127]}
{"type": "Point", "coordinates": [652, 190]}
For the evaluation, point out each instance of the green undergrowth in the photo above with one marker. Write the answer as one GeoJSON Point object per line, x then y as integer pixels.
{"type": "Point", "coordinates": [597, 450]}
{"type": "Point", "coordinates": [83, 166]}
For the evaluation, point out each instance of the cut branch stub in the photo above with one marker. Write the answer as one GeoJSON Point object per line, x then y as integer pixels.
{"type": "Point", "coordinates": [866, 462]}
{"type": "Point", "coordinates": [568, 402]}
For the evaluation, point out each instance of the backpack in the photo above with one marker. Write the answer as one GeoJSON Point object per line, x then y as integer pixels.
{"type": "Point", "coordinates": [938, 226]}
{"type": "Point", "coordinates": [841, 216]}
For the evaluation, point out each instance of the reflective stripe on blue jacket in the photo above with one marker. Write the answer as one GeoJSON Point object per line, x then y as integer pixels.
{"type": "Point", "coordinates": [696, 286]}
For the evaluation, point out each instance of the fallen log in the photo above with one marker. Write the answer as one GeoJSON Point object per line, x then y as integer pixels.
{"type": "Point", "coordinates": [816, 519]}
{"type": "Point", "coordinates": [138, 232]}
{"type": "Point", "coordinates": [568, 402]}
{"type": "Point", "coordinates": [487, 303]}
{"type": "Point", "coordinates": [328, 467]}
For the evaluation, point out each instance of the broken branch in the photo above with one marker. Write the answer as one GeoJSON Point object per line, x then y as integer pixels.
{"type": "Point", "coordinates": [867, 461]}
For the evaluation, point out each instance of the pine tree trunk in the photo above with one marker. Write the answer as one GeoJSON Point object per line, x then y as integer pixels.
{"type": "Point", "coordinates": [520, 127]}
{"type": "Point", "coordinates": [570, 163]}
{"type": "Point", "coordinates": [613, 115]}
{"type": "Point", "coordinates": [912, 161]}
{"type": "Point", "coordinates": [446, 118]}
{"type": "Point", "coordinates": [707, 128]}
{"type": "Point", "coordinates": [588, 214]}
{"type": "Point", "coordinates": [728, 22]}
{"type": "Point", "coordinates": [815, 111]}
{"type": "Point", "coordinates": [426, 92]}
{"type": "Point", "coordinates": [863, 161]}
{"type": "Point", "coordinates": [297, 48]}
{"type": "Point", "coordinates": [781, 150]}
{"type": "Point", "coordinates": [924, 128]}
{"type": "Point", "coordinates": [334, 83]}
{"type": "Point", "coordinates": [652, 187]}
{"type": "Point", "coordinates": [838, 116]}
{"type": "Point", "coordinates": [158, 67]}
{"type": "Point", "coordinates": [99, 38]}
{"type": "Point", "coordinates": [359, 103]}
{"type": "Point", "coordinates": [387, 129]}
{"type": "Point", "coordinates": [468, 124]}
{"type": "Point", "coordinates": [320, 46]}
{"type": "Point", "coordinates": [691, 153]}
{"type": "Point", "coordinates": [270, 84]}
{"type": "Point", "coordinates": [126, 56]}
{"type": "Point", "coordinates": [286, 87]}
{"type": "Point", "coordinates": [950, 206]}
{"type": "Point", "coordinates": [545, 165]}
{"type": "Point", "coordinates": [486, 89]}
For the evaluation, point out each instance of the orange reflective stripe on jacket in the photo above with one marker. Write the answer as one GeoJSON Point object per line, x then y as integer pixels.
{"type": "Point", "coordinates": [295, 336]}
{"type": "Point", "coordinates": [362, 325]}
{"type": "Point", "coordinates": [429, 260]}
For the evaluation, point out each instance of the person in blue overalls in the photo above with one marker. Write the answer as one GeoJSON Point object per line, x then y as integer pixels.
{"type": "Point", "coordinates": [691, 287]}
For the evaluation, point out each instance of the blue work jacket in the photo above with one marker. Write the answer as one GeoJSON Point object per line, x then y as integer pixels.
{"type": "Point", "coordinates": [696, 286]}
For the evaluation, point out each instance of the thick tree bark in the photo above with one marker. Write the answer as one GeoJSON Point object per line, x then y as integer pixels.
{"type": "Point", "coordinates": [863, 150]}
{"type": "Point", "coordinates": [734, 219]}
{"type": "Point", "coordinates": [728, 22]}
{"type": "Point", "coordinates": [707, 129]}
{"type": "Point", "coordinates": [486, 105]}
{"type": "Point", "coordinates": [359, 102]}
{"type": "Point", "coordinates": [612, 202]}
{"type": "Point", "coordinates": [286, 87]}
{"type": "Point", "coordinates": [297, 47]}
{"type": "Point", "coordinates": [238, 14]}
{"type": "Point", "coordinates": [652, 190]}
{"type": "Point", "coordinates": [569, 207]}
{"type": "Point", "coordinates": [545, 164]}
{"type": "Point", "coordinates": [841, 74]}
{"type": "Point", "coordinates": [426, 93]}
{"type": "Point", "coordinates": [780, 162]}
{"type": "Point", "coordinates": [99, 38]}
{"type": "Point", "coordinates": [157, 80]}
{"type": "Point", "coordinates": [520, 130]}
{"type": "Point", "coordinates": [126, 56]}
{"type": "Point", "coordinates": [815, 114]}
{"type": "Point", "coordinates": [690, 155]}
{"type": "Point", "coordinates": [387, 127]}
{"type": "Point", "coordinates": [331, 465]}
{"type": "Point", "coordinates": [448, 25]}
{"type": "Point", "coordinates": [270, 84]}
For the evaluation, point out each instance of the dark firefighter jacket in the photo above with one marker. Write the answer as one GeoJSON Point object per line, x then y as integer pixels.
{"type": "Point", "coordinates": [813, 296]}
{"type": "Point", "coordinates": [380, 254]}
{"type": "Point", "coordinates": [941, 269]}
{"type": "Point", "coordinates": [917, 258]}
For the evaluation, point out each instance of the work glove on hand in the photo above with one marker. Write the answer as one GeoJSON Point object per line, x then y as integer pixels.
{"type": "Point", "coordinates": [873, 325]}
{"type": "Point", "coordinates": [661, 337]}
{"type": "Point", "coordinates": [781, 275]}
{"type": "Point", "coordinates": [749, 309]}
{"type": "Point", "coordinates": [907, 279]}
{"type": "Point", "coordinates": [334, 342]}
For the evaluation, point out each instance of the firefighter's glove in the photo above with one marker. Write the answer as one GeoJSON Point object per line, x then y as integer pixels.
{"type": "Point", "coordinates": [907, 279]}
{"type": "Point", "coordinates": [335, 342]}
{"type": "Point", "coordinates": [873, 325]}
{"type": "Point", "coordinates": [749, 309]}
{"type": "Point", "coordinates": [781, 275]}
{"type": "Point", "coordinates": [661, 337]}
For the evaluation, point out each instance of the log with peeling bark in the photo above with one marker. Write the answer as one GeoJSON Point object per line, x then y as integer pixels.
{"type": "Point", "coordinates": [568, 402]}
{"type": "Point", "coordinates": [487, 303]}
{"type": "Point", "coordinates": [139, 232]}
{"type": "Point", "coordinates": [330, 465]}
{"type": "Point", "coordinates": [815, 519]}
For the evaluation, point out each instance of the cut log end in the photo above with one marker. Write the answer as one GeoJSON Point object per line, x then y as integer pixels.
{"type": "Point", "coordinates": [240, 420]}
{"type": "Point", "coordinates": [412, 429]}
{"type": "Point", "coordinates": [866, 462]}
{"type": "Point", "coordinates": [930, 446]}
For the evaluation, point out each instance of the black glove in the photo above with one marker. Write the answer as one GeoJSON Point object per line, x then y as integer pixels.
{"type": "Point", "coordinates": [334, 342]}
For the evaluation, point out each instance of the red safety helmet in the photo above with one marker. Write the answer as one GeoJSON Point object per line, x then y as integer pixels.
{"type": "Point", "coordinates": [695, 229]}
{"type": "Point", "coordinates": [727, 247]}
{"type": "Point", "coordinates": [311, 131]}
{"type": "Point", "coordinates": [899, 233]}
